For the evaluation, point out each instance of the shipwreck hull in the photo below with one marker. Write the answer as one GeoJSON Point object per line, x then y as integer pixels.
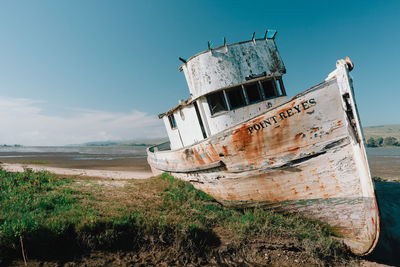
{"type": "Point", "coordinates": [305, 156]}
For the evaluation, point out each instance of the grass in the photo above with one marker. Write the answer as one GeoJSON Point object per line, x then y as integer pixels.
{"type": "Point", "coordinates": [34, 206]}
{"type": "Point", "coordinates": [51, 213]}
{"type": "Point", "coordinates": [378, 179]}
{"type": "Point", "coordinates": [36, 162]}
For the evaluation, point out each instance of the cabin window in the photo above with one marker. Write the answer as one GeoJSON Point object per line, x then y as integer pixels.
{"type": "Point", "coordinates": [172, 121]}
{"type": "Point", "coordinates": [182, 114]}
{"type": "Point", "coordinates": [217, 102]}
{"type": "Point", "coordinates": [236, 97]}
{"type": "Point", "coordinates": [253, 92]}
{"type": "Point", "coordinates": [269, 88]}
{"type": "Point", "coordinates": [246, 94]}
{"type": "Point", "coordinates": [279, 84]}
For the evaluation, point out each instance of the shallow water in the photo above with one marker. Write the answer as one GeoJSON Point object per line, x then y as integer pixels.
{"type": "Point", "coordinates": [76, 152]}
{"type": "Point", "coordinates": [134, 151]}
{"type": "Point", "coordinates": [393, 152]}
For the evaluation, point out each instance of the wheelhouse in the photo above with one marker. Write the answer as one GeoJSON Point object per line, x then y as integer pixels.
{"type": "Point", "coordinates": [228, 85]}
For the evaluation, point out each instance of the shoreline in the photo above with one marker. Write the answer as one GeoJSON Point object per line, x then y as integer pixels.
{"type": "Point", "coordinates": [133, 164]}
{"type": "Point", "coordinates": [120, 165]}
{"type": "Point", "coordinates": [387, 168]}
{"type": "Point", "coordinates": [108, 174]}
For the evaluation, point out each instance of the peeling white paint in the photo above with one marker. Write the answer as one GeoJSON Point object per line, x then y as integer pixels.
{"type": "Point", "coordinates": [305, 154]}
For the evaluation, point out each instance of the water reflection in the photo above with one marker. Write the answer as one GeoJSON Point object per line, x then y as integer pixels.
{"type": "Point", "coordinates": [388, 247]}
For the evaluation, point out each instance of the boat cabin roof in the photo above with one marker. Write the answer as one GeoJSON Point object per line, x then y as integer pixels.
{"type": "Point", "coordinates": [269, 34]}
{"type": "Point", "coordinates": [231, 65]}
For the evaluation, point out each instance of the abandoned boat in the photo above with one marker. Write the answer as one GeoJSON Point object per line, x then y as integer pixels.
{"type": "Point", "coordinates": [241, 140]}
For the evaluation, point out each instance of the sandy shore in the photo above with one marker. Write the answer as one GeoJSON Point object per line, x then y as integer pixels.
{"type": "Point", "coordinates": [385, 167]}
{"type": "Point", "coordinates": [67, 164]}
{"type": "Point", "coordinates": [16, 167]}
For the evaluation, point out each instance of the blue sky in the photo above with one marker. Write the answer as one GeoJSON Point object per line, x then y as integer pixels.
{"type": "Point", "coordinates": [76, 71]}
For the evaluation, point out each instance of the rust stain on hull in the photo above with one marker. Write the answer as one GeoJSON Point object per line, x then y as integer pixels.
{"type": "Point", "coordinates": [302, 156]}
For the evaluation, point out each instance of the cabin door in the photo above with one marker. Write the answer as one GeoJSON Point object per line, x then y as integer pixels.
{"type": "Point", "coordinates": [200, 120]}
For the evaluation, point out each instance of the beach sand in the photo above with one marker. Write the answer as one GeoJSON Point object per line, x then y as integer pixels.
{"type": "Point", "coordinates": [64, 164]}
{"type": "Point", "coordinates": [385, 167]}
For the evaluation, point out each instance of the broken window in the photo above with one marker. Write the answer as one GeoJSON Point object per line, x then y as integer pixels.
{"type": "Point", "coordinates": [172, 121]}
{"type": "Point", "coordinates": [253, 92]}
{"type": "Point", "coordinates": [269, 88]}
{"type": "Point", "coordinates": [217, 102]}
{"type": "Point", "coordinates": [236, 97]}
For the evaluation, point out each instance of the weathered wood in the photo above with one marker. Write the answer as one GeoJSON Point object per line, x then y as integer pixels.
{"type": "Point", "coordinates": [231, 64]}
{"type": "Point", "coordinates": [305, 155]}
{"type": "Point", "coordinates": [193, 169]}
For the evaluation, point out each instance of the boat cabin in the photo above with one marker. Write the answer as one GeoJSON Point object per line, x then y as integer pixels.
{"type": "Point", "coordinates": [228, 85]}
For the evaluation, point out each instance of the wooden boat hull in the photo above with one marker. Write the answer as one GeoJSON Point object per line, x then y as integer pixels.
{"type": "Point", "coordinates": [306, 156]}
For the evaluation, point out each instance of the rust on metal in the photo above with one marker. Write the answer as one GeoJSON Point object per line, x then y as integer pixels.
{"type": "Point", "coordinates": [301, 155]}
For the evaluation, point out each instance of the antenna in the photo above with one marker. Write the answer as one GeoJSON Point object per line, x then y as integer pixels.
{"type": "Point", "coordinates": [224, 41]}
{"type": "Point", "coordinates": [182, 59]}
{"type": "Point", "coordinates": [254, 38]}
{"type": "Point", "coordinates": [209, 46]}
{"type": "Point", "coordinates": [270, 34]}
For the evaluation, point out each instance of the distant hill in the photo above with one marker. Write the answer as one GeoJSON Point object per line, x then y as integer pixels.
{"type": "Point", "coordinates": [382, 131]}
{"type": "Point", "coordinates": [136, 142]}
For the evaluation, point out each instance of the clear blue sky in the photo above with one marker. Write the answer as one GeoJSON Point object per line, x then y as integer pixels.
{"type": "Point", "coordinates": [90, 65]}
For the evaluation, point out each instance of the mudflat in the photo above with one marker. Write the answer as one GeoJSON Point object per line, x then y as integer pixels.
{"type": "Point", "coordinates": [75, 161]}
{"type": "Point", "coordinates": [387, 167]}
{"type": "Point", "coordinates": [104, 162]}
{"type": "Point", "coordinates": [385, 163]}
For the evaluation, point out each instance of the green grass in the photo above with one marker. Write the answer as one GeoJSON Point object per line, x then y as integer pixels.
{"type": "Point", "coordinates": [31, 202]}
{"type": "Point", "coordinates": [50, 213]}
{"type": "Point", "coordinates": [378, 179]}
{"type": "Point", "coordinates": [36, 162]}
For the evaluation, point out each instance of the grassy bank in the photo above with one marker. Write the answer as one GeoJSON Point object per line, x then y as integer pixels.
{"type": "Point", "coordinates": [159, 220]}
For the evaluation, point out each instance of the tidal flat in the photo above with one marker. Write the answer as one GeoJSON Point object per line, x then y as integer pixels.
{"type": "Point", "coordinates": [385, 162]}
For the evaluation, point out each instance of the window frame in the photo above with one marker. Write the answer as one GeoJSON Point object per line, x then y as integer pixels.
{"type": "Point", "coordinates": [281, 86]}
{"type": "Point", "coordinates": [224, 97]}
{"type": "Point", "coordinates": [260, 93]}
{"type": "Point", "coordinates": [278, 87]}
{"type": "Point", "coordinates": [242, 93]}
{"type": "Point", "coordinates": [273, 82]}
{"type": "Point", "coordinates": [172, 121]}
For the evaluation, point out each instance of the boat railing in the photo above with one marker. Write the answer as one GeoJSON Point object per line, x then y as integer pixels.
{"type": "Point", "coordinates": [160, 147]}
